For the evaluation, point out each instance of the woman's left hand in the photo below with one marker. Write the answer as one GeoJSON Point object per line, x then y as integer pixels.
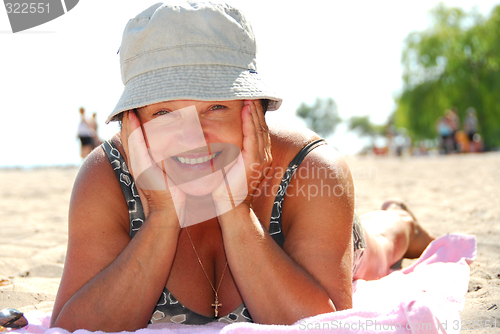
{"type": "Point", "coordinates": [251, 166]}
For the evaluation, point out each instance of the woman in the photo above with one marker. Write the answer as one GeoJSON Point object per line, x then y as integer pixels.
{"type": "Point", "coordinates": [86, 135]}
{"type": "Point", "coordinates": [264, 259]}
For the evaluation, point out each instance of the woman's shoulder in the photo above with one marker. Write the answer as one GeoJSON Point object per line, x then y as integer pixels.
{"type": "Point", "coordinates": [323, 176]}
{"type": "Point", "coordinates": [287, 141]}
{"type": "Point", "coordinates": [97, 187]}
{"type": "Point", "coordinates": [97, 166]}
{"type": "Point", "coordinates": [95, 169]}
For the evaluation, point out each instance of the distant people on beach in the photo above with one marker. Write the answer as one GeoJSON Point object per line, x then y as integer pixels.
{"type": "Point", "coordinates": [445, 128]}
{"type": "Point", "coordinates": [93, 125]}
{"type": "Point", "coordinates": [453, 139]}
{"type": "Point", "coordinates": [468, 138]}
{"type": "Point", "coordinates": [471, 130]}
{"type": "Point", "coordinates": [455, 126]}
{"type": "Point", "coordinates": [87, 134]}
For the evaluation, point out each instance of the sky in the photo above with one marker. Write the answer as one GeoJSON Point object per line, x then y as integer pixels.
{"type": "Point", "coordinates": [347, 50]}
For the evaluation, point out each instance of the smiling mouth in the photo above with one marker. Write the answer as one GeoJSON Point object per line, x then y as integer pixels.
{"type": "Point", "coordinates": [195, 161]}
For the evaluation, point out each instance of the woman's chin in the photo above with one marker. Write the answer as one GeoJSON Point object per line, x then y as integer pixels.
{"type": "Point", "coordinates": [203, 186]}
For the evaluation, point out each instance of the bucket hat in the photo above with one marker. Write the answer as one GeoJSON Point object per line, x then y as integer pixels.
{"type": "Point", "coordinates": [189, 51]}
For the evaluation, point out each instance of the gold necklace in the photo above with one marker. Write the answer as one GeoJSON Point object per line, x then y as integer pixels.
{"type": "Point", "coordinates": [216, 303]}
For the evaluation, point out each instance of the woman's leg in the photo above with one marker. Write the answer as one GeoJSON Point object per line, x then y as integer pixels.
{"type": "Point", "coordinates": [391, 234]}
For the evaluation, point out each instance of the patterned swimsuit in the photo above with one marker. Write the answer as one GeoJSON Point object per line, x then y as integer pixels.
{"type": "Point", "coordinates": [168, 309]}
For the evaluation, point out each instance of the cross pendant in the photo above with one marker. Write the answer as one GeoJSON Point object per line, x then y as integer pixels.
{"type": "Point", "coordinates": [216, 306]}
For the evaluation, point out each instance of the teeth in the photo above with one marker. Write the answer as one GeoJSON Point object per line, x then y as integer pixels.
{"type": "Point", "coordinates": [196, 161]}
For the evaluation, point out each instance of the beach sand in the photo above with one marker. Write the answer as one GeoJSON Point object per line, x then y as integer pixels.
{"type": "Point", "coordinates": [448, 194]}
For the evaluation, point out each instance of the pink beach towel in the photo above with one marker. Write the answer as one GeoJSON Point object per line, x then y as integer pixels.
{"type": "Point", "coordinates": [423, 298]}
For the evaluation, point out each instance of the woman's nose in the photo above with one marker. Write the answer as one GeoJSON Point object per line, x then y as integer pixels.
{"type": "Point", "coordinates": [191, 130]}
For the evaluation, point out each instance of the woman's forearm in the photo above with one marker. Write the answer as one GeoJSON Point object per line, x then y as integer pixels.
{"type": "Point", "coordinates": [275, 289]}
{"type": "Point", "coordinates": [123, 295]}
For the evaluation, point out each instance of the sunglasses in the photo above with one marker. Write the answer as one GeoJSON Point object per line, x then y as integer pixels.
{"type": "Point", "coordinates": [12, 318]}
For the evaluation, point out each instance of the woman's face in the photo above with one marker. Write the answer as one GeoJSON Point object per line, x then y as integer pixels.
{"type": "Point", "coordinates": [193, 140]}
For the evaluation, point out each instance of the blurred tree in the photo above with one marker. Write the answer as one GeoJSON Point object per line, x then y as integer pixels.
{"type": "Point", "coordinates": [456, 62]}
{"type": "Point", "coordinates": [365, 128]}
{"type": "Point", "coordinates": [322, 117]}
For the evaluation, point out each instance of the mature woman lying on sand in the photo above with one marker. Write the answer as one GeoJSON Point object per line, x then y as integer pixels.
{"type": "Point", "coordinates": [137, 253]}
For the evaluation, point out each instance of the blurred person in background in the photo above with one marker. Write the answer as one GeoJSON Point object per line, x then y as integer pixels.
{"type": "Point", "coordinates": [93, 125]}
{"type": "Point", "coordinates": [86, 134]}
{"type": "Point", "coordinates": [445, 132]}
{"type": "Point", "coordinates": [470, 129]}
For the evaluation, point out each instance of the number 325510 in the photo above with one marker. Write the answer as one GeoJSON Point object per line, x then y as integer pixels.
{"type": "Point", "coordinates": [25, 8]}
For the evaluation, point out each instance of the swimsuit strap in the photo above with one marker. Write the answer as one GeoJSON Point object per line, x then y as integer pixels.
{"type": "Point", "coordinates": [135, 209]}
{"type": "Point", "coordinates": [275, 229]}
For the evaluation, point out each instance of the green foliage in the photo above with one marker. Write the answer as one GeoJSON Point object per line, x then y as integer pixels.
{"type": "Point", "coordinates": [364, 127]}
{"type": "Point", "coordinates": [456, 62]}
{"type": "Point", "coordinates": [322, 117]}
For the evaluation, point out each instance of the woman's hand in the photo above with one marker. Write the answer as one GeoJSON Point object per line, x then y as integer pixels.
{"type": "Point", "coordinates": [98, 273]}
{"type": "Point", "coordinates": [150, 179]}
{"type": "Point", "coordinates": [256, 145]}
{"type": "Point", "coordinates": [251, 166]}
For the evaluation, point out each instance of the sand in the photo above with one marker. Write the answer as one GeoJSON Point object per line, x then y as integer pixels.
{"type": "Point", "coordinates": [448, 194]}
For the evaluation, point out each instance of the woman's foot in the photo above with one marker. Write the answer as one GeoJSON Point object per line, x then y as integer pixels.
{"type": "Point", "coordinates": [418, 237]}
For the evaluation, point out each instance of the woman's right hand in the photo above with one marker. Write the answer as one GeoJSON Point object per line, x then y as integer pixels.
{"type": "Point", "coordinates": [98, 273]}
{"type": "Point", "coordinates": [149, 178]}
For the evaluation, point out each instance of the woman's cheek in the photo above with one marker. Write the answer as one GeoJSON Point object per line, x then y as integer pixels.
{"type": "Point", "coordinates": [158, 153]}
{"type": "Point", "coordinates": [234, 135]}
{"type": "Point", "coordinates": [236, 130]}
{"type": "Point", "coordinates": [227, 131]}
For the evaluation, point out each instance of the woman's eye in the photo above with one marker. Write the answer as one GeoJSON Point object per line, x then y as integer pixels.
{"type": "Point", "coordinates": [217, 107]}
{"type": "Point", "coordinates": [161, 112]}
